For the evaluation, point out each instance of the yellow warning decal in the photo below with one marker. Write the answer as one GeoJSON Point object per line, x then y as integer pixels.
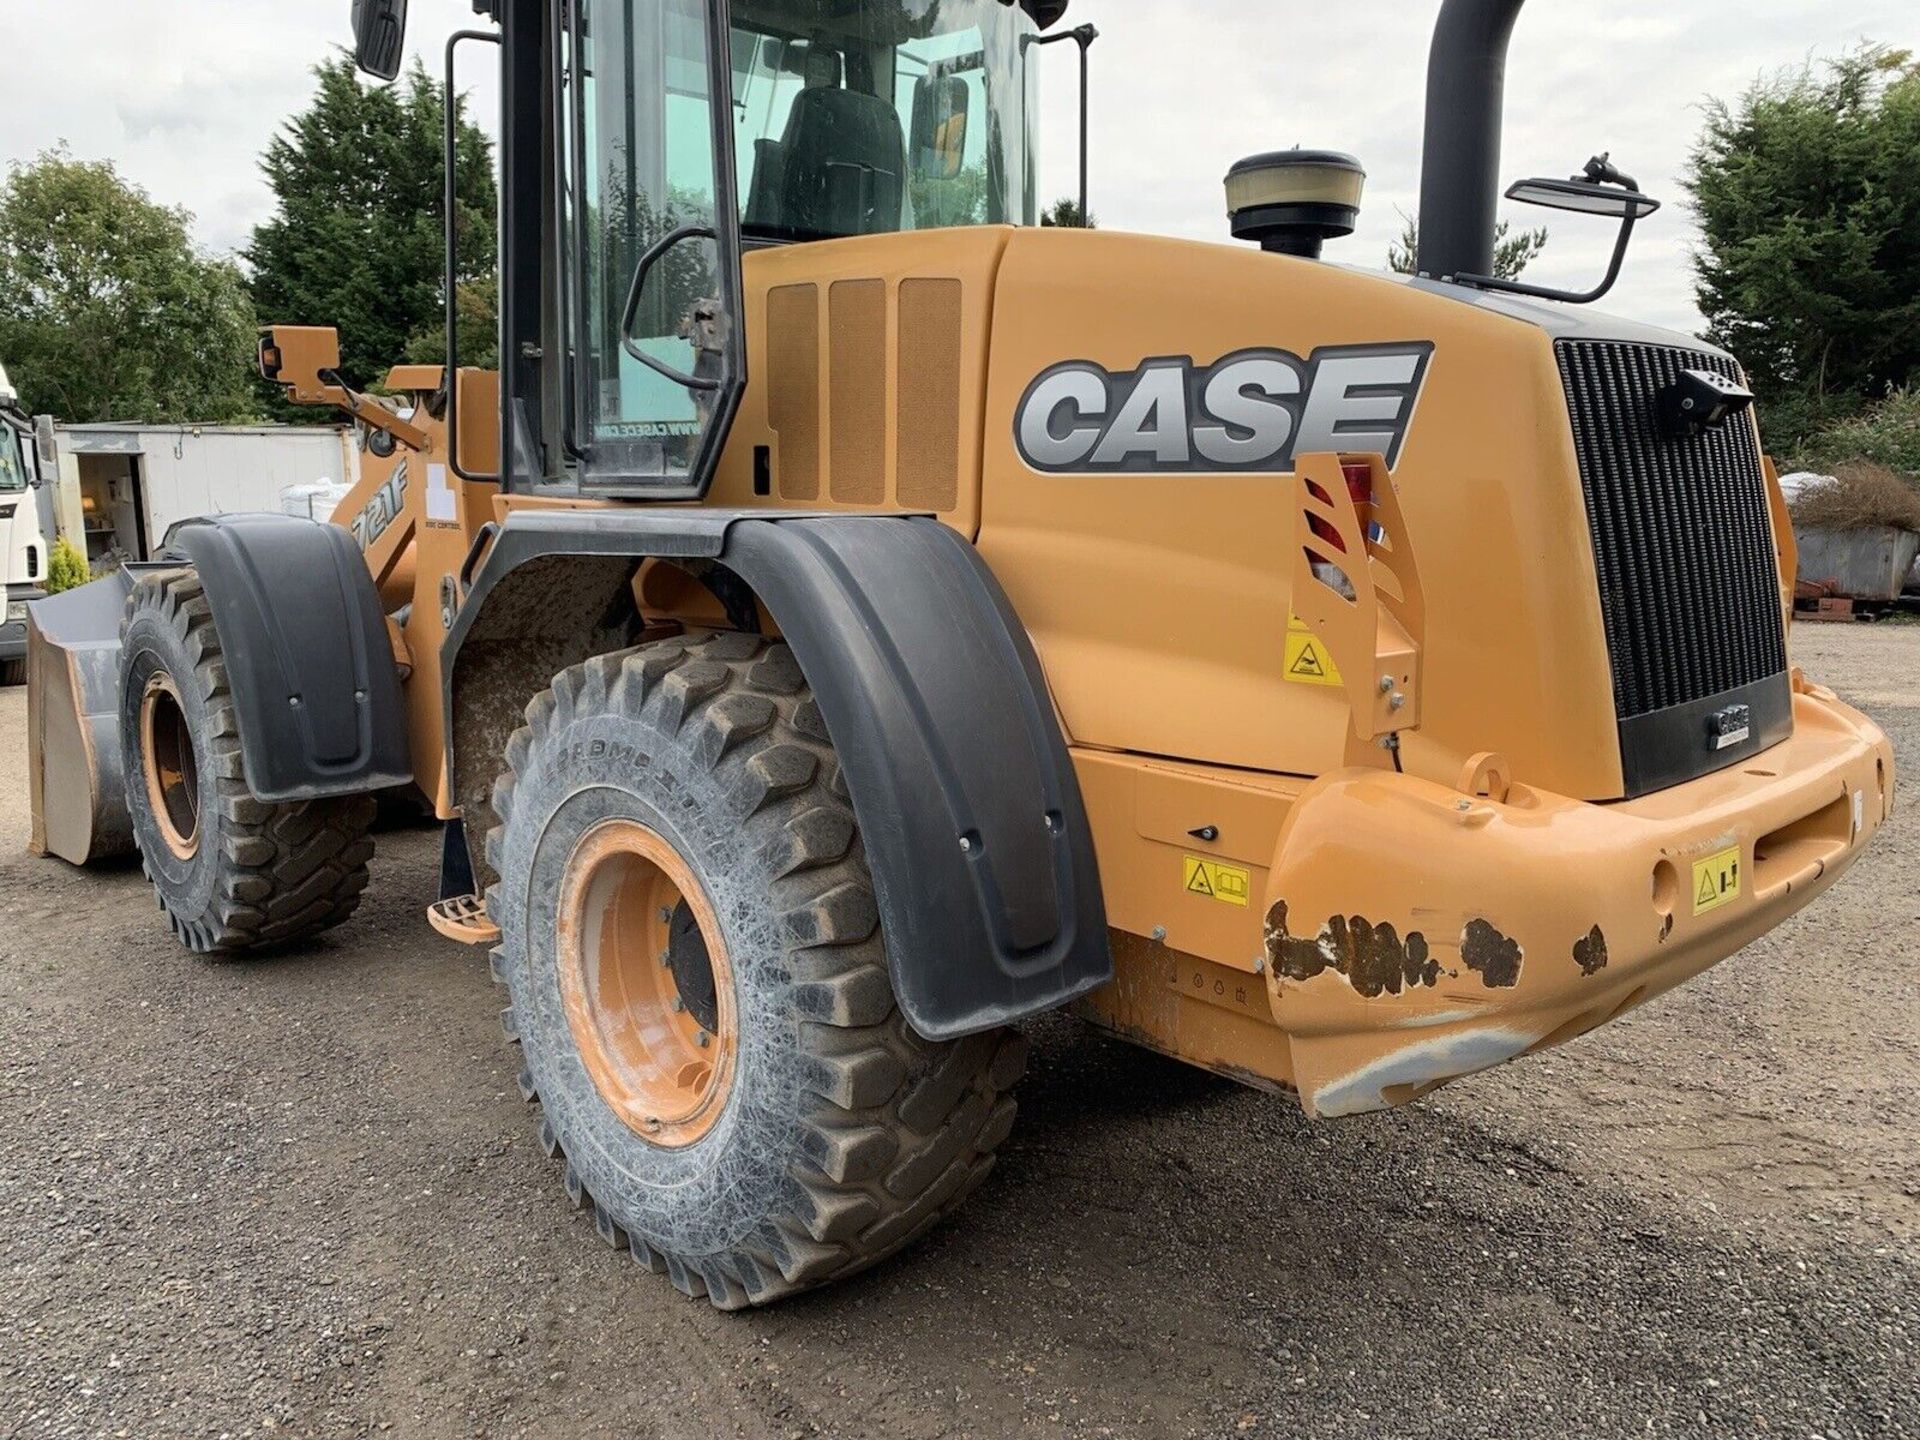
{"type": "Point", "coordinates": [1227, 883]}
{"type": "Point", "coordinates": [1716, 880]}
{"type": "Point", "coordinates": [1308, 662]}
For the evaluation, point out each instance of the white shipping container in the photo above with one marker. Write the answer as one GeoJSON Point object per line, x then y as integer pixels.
{"type": "Point", "coordinates": [130, 484]}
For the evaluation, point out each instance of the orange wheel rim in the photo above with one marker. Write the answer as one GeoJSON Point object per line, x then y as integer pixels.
{"type": "Point", "coordinates": [167, 762]}
{"type": "Point", "coordinates": [646, 982]}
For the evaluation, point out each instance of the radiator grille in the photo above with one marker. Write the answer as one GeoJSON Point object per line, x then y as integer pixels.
{"type": "Point", "coordinates": [1688, 586]}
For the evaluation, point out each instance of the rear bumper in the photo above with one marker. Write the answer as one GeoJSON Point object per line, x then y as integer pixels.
{"type": "Point", "coordinates": [1415, 934]}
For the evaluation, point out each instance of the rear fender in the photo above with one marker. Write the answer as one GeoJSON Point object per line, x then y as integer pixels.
{"type": "Point", "coordinates": [981, 853]}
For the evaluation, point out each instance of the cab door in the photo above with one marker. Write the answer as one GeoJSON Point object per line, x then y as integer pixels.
{"type": "Point", "coordinates": [649, 223]}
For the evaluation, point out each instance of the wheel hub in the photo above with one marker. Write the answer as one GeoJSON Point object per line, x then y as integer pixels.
{"type": "Point", "coordinates": [646, 982]}
{"type": "Point", "coordinates": [168, 766]}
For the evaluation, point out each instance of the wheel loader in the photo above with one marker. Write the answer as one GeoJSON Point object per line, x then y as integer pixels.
{"type": "Point", "coordinates": [855, 621]}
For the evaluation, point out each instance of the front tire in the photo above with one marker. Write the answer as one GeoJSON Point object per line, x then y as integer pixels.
{"type": "Point", "coordinates": [698, 981]}
{"type": "Point", "coordinates": [232, 873]}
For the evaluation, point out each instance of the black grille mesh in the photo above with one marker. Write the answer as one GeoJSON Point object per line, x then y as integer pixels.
{"type": "Point", "coordinates": [1688, 586]}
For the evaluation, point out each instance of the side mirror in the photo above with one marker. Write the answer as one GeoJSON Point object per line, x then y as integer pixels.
{"type": "Point", "coordinates": [379, 36]}
{"type": "Point", "coordinates": [303, 358]}
{"type": "Point", "coordinates": [1599, 190]}
{"type": "Point", "coordinates": [1584, 197]}
{"type": "Point", "coordinates": [940, 108]}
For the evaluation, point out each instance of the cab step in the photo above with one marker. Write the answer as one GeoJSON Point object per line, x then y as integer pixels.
{"type": "Point", "coordinates": [463, 918]}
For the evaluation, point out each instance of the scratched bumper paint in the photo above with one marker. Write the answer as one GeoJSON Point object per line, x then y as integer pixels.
{"type": "Point", "coordinates": [1415, 934]}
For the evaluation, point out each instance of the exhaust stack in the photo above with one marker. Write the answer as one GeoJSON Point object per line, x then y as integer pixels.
{"type": "Point", "coordinates": [1460, 168]}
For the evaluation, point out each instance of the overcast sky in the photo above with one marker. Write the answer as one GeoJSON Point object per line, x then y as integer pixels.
{"type": "Point", "coordinates": [183, 94]}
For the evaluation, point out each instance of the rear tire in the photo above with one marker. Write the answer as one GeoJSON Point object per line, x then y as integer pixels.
{"type": "Point", "coordinates": [232, 873]}
{"type": "Point", "coordinates": [13, 672]}
{"type": "Point", "coordinates": [746, 1110]}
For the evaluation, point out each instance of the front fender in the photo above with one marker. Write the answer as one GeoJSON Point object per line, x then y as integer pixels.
{"type": "Point", "coordinates": [975, 831]}
{"type": "Point", "coordinates": [306, 649]}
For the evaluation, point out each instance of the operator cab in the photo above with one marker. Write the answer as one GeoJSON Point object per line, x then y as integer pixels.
{"type": "Point", "coordinates": [646, 143]}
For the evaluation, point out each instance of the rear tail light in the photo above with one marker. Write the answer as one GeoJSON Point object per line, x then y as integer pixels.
{"type": "Point", "coordinates": [1359, 489]}
{"type": "Point", "coordinates": [1359, 481]}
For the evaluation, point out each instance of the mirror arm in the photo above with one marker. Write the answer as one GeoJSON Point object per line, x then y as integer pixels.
{"type": "Point", "coordinates": [1601, 170]}
{"type": "Point", "coordinates": [1542, 292]}
{"type": "Point", "coordinates": [370, 414]}
{"type": "Point", "coordinates": [1083, 36]}
{"type": "Point", "coordinates": [647, 261]}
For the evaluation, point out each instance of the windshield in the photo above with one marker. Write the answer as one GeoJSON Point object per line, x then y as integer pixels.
{"type": "Point", "coordinates": [13, 468]}
{"type": "Point", "coordinates": [897, 115]}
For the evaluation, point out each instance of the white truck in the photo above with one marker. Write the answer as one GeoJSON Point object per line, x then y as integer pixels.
{"type": "Point", "coordinates": [21, 541]}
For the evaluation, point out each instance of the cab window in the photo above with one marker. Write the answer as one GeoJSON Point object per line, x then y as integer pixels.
{"type": "Point", "coordinates": [883, 120]}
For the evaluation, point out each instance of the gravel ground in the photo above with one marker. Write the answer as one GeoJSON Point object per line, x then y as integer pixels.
{"type": "Point", "coordinates": [300, 1196]}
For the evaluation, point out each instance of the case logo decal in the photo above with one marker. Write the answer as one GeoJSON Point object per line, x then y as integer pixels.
{"type": "Point", "coordinates": [1253, 410]}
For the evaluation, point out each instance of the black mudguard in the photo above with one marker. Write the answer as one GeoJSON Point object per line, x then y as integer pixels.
{"type": "Point", "coordinates": [306, 648]}
{"type": "Point", "coordinates": [982, 857]}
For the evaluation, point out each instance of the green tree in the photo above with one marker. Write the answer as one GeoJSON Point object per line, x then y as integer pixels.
{"type": "Point", "coordinates": [477, 310]}
{"type": "Point", "coordinates": [1513, 250]}
{"type": "Point", "coordinates": [66, 566]}
{"type": "Point", "coordinates": [1886, 432]}
{"type": "Point", "coordinates": [956, 199]}
{"type": "Point", "coordinates": [1065, 212]}
{"type": "Point", "coordinates": [1808, 198]}
{"type": "Point", "coordinates": [107, 311]}
{"type": "Point", "coordinates": [355, 240]}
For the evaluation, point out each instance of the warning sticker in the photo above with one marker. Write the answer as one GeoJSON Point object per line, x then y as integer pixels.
{"type": "Point", "coordinates": [1227, 883]}
{"type": "Point", "coordinates": [1716, 880]}
{"type": "Point", "coordinates": [1307, 660]}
